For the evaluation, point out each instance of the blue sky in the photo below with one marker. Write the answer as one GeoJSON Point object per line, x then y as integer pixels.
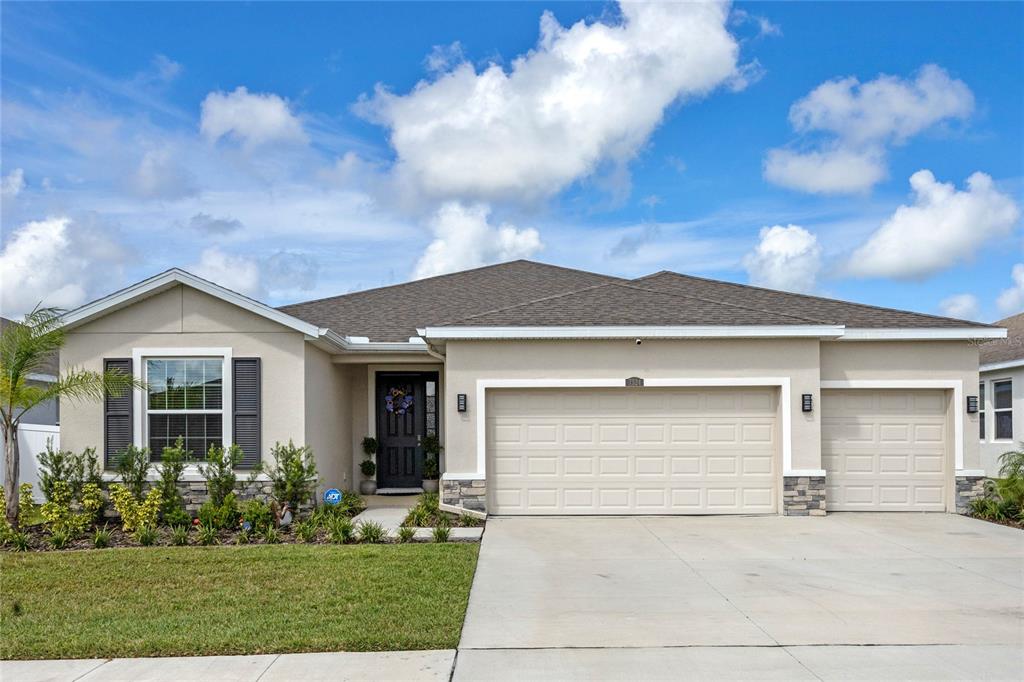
{"type": "Point", "coordinates": [296, 151]}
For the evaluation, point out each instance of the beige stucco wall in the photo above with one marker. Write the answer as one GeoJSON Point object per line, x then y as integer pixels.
{"type": "Point", "coordinates": [468, 361]}
{"type": "Point", "coordinates": [901, 360]}
{"type": "Point", "coordinates": [328, 430]}
{"type": "Point", "coordinates": [182, 318]}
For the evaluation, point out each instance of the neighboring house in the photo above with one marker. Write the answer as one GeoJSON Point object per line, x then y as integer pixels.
{"type": "Point", "coordinates": [555, 391]}
{"type": "Point", "coordinates": [1001, 394]}
{"type": "Point", "coordinates": [48, 413]}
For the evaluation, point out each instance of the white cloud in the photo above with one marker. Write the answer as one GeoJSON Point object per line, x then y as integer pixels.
{"type": "Point", "coordinates": [235, 272]}
{"type": "Point", "coordinates": [787, 258]}
{"type": "Point", "coordinates": [443, 57]}
{"type": "Point", "coordinates": [943, 226]}
{"type": "Point", "coordinates": [59, 262]}
{"type": "Point", "coordinates": [1011, 301]}
{"type": "Point", "coordinates": [825, 172]}
{"type": "Point", "coordinates": [251, 118]}
{"type": "Point", "coordinates": [860, 120]}
{"type": "Point", "coordinates": [166, 68]}
{"type": "Point", "coordinates": [464, 238]}
{"type": "Point", "coordinates": [207, 224]}
{"type": "Point", "coordinates": [12, 183]}
{"type": "Point", "coordinates": [160, 176]}
{"type": "Point", "coordinates": [585, 97]}
{"type": "Point", "coordinates": [961, 306]}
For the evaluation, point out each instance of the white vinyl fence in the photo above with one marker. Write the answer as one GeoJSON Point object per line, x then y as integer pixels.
{"type": "Point", "coordinates": [32, 439]}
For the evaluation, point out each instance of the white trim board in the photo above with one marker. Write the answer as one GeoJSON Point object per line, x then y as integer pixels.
{"type": "Point", "coordinates": [995, 366]}
{"type": "Point", "coordinates": [956, 385]}
{"type": "Point", "coordinates": [785, 407]}
{"type": "Point", "coordinates": [922, 334]}
{"type": "Point", "coordinates": [643, 332]}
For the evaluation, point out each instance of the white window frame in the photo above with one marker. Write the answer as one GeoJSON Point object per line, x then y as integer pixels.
{"type": "Point", "coordinates": [993, 438]}
{"type": "Point", "coordinates": [140, 404]}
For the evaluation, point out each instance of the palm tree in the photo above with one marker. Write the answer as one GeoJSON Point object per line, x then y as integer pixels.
{"type": "Point", "coordinates": [25, 349]}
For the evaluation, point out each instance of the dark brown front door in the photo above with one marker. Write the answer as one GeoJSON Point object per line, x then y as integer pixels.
{"type": "Point", "coordinates": [401, 425]}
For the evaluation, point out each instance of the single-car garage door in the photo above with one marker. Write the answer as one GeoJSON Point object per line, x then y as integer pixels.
{"type": "Point", "coordinates": [885, 450]}
{"type": "Point", "coordinates": [632, 451]}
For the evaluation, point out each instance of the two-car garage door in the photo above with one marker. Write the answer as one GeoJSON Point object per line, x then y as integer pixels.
{"type": "Point", "coordinates": [632, 451]}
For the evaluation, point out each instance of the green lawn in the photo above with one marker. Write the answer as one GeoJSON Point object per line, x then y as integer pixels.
{"type": "Point", "coordinates": [233, 600]}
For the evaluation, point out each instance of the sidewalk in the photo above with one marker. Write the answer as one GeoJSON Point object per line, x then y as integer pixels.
{"type": "Point", "coordinates": [430, 666]}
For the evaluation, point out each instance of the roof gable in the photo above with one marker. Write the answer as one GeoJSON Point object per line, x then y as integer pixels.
{"type": "Point", "coordinates": [1006, 350]}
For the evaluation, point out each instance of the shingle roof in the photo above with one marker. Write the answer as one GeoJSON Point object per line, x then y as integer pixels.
{"type": "Point", "coordinates": [824, 310]}
{"type": "Point", "coordinates": [625, 304]}
{"type": "Point", "coordinates": [394, 313]}
{"type": "Point", "coordinates": [1008, 349]}
{"type": "Point", "coordinates": [525, 293]}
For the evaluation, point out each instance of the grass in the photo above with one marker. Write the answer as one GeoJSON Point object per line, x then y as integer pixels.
{"type": "Point", "coordinates": [183, 601]}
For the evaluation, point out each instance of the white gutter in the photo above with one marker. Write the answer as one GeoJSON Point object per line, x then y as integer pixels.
{"type": "Point", "coordinates": [1008, 364]}
{"type": "Point", "coordinates": [924, 334]}
{"type": "Point", "coordinates": [361, 343]}
{"type": "Point", "coordinates": [643, 332]}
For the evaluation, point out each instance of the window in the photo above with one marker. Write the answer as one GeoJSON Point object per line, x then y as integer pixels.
{"type": "Point", "coordinates": [1002, 407]}
{"type": "Point", "coordinates": [186, 399]}
{"type": "Point", "coordinates": [981, 410]}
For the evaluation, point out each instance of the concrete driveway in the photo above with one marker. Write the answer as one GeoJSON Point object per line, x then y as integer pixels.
{"type": "Point", "coordinates": [778, 587]}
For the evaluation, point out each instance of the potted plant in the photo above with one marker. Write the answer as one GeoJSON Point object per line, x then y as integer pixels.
{"type": "Point", "coordinates": [368, 486]}
{"type": "Point", "coordinates": [431, 470]}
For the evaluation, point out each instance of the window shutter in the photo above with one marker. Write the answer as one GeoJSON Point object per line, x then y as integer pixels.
{"type": "Point", "coordinates": [245, 406]}
{"type": "Point", "coordinates": [117, 415]}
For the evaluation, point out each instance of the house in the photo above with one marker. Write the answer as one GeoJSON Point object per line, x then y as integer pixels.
{"type": "Point", "coordinates": [555, 391]}
{"type": "Point", "coordinates": [1001, 394]}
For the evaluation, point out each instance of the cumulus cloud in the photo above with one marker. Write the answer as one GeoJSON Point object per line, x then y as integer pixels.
{"type": "Point", "coordinates": [251, 118]}
{"type": "Point", "coordinates": [443, 57]}
{"type": "Point", "coordinates": [464, 238]}
{"type": "Point", "coordinates": [787, 258]}
{"type": "Point", "coordinates": [859, 121]}
{"type": "Point", "coordinates": [944, 225]}
{"type": "Point", "coordinates": [160, 176]}
{"type": "Point", "coordinates": [1011, 300]}
{"type": "Point", "coordinates": [232, 271]}
{"type": "Point", "coordinates": [58, 262]}
{"type": "Point", "coordinates": [12, 184]}
{"type": "Point", "coordinates": [961, 306]}
{"type": "Point", "coordinates": [207, 224]}
{"type": "Point", "coordinates": [586, 97]}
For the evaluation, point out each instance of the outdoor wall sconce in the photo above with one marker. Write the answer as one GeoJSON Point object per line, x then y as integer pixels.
{"type": "Point", "coordinates": [460, 400]}
{"type": "Point", "coordinates": [972, 404]}
{"type": "Point", "coordinates": [806, 402]}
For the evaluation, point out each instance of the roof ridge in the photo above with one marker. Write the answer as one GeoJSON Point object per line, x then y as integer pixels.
{"type": "Point", "coordinates": [629, 285]}
{"type": "Point", "coordinates": [811, 296]}
{"type": "Point", "coordinates": [449, 274]}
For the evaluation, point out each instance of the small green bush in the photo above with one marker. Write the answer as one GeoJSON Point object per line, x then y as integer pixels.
{"type": "Point", "coordinates": [469, 521]}
{"type": "Point", "coordinates": [340, 530]}
{"type": "Point", "coordinates": [26, 506]}
{"type": "Point", "coordinates": [59, 539]}
{"type": "Point", "coordinates": [57, 513]}
{"type": "Point", "coordinates": [220, 516]}
{"type": "Point", "coordinates": [18, 541]}
{"type": "Point", "coordinates": [179, 536]}
{"type": "Point", "coordinates": [986, 508]}
{"type": "Point", "coordinates": [305, 531]}
{"type": "Point", "coordinates": [135, 514]}
{"type": "Point", "coordinates": [271, 535]}
{"type": "Point", "coordinates": [146, 536]}
{"type": "Point", "coordinates": [293, 475]}
{"type": "Point", "coordinates": [101, 538]}
{"type": "Point", "coordinates": [169, 470]}
{"type": "Point", "coordinates": [406, 534]}
{"type": "Point", "coordinates": [258, 514]}
{"type": "Point", "coordinates": [219, 472]}
{"type": "Point", "coordinates": [207, 535]}
{"type": "Point", "coordinates": [132, 469]}
{"type": "Point", "coordinates": [441, 533]}
{"type": "Point", "coordinates": [430, 502]}
{"type": "Point", "coordinates": [244, 537]}
{"type": "Point", "coordinates": [371, 532]}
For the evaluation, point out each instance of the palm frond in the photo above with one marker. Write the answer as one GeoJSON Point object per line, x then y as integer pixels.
{"type": "Point", "coordinates": [27, 346]}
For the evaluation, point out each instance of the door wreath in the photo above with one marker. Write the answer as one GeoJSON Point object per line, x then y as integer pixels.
{"type": "Point", "coordinates": [397, 401]}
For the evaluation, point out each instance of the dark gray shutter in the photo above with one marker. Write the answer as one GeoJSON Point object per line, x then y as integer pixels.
{"type": "Point", "coordinates": [117, 415]}
{"type": "Point", "coordinates": [245, 405]}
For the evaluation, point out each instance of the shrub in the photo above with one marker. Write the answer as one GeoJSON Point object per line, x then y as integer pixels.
{"type": "Point", "coordinates": [441, 533]}
{"type": "Point", "coordinates": [176, 517]}
{"type": "Point", "coordinates": [305, 531]}
{"type": "Point", "coordinates": [258, 514]}
{"type": "Point", "coordinates": [985, 508]}
{"type": "Point", "coordinates": [64, 465]}
{"type": "Point", "coordinates": [429, 501]}
{"type": "Point", "coordinates": [432, 449]}
{"type": "Point", "coordinates": [135, 514]}
{"type": "Point", "coordinates": [179, 536]}
{"type": "Point", "coordinates": [92, 501]}
{"type": "Point", "coordinates": [220, 516]}
{"type": "Point", "coordinates": [57, 513]}
{"type": "Point", "coordinates": [101, 538]}
{"type": "Point", "coordinates": [207, 535]}
{"type": "Point", "coordinates": [18, 541]}
{"type": "Point", "coordinates": [370, 446]}
{"type": "Point", "coordinates": [146, 536]}
{"type": "Point", "coordinates": [368, 467]}
{"type": "Point", "coordinates": [59, 539]}
{"type": "Point", "coordinates": [244, 537]}
{"type": "Point", "coordinates": [406, 534]}
{"type": "Point", "coordinates": [219, 472]}
{"type": "Point", "coordinates": [26, 505]}
{"type": "Point", "coordinates": [293, 475]}
{"type": "Point", "coordinates": [169, 470]}
{"type": "Point", "coordinates": [418, 517]}
{"type": "Point", "coordinates": [271, 535]}
{"type": "Point", "coordinates": [132, 469]}
{"type": "Point", "coordinates": [340, 530]}
{"type": "Point", "coordinates": [469, 521]}
{"type": "Point", "coordinates": [372, 532]}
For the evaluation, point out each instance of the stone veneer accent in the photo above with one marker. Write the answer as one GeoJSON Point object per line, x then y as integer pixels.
{"type": "Point", "coordinates": [195, 493]}
{"type": "Point", "coordinates": [803, 495]}
{"type": "Point", "coordinates": [968, 488]}
{"type": "Point", "coordinates": [468, 493]}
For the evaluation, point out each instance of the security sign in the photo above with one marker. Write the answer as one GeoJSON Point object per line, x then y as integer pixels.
{"type": "Point", "coordinates": [332, 496]}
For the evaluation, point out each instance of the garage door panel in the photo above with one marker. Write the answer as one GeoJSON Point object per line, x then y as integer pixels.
{"type": "Point", "coordinates": [654, 450]}
{"type": "Point", "coordinates": [885, 449]}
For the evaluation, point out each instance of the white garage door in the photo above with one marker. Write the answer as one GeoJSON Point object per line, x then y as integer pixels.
{"type": "Point", "coordinates": [632, 451]}
{"type": "Point", "coordinates": [885, 450]}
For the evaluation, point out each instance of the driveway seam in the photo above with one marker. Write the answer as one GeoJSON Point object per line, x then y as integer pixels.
{"type": "Point", "coordinates": [272, 662]}
{"type": "Point", "coordinates": [707, 582]}
{"type": "Point", "coordinates": [94, 669]}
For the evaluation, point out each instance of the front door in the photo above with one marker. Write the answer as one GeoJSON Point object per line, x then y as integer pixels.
{"type": "Point", "coordinates": [401, 426]}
